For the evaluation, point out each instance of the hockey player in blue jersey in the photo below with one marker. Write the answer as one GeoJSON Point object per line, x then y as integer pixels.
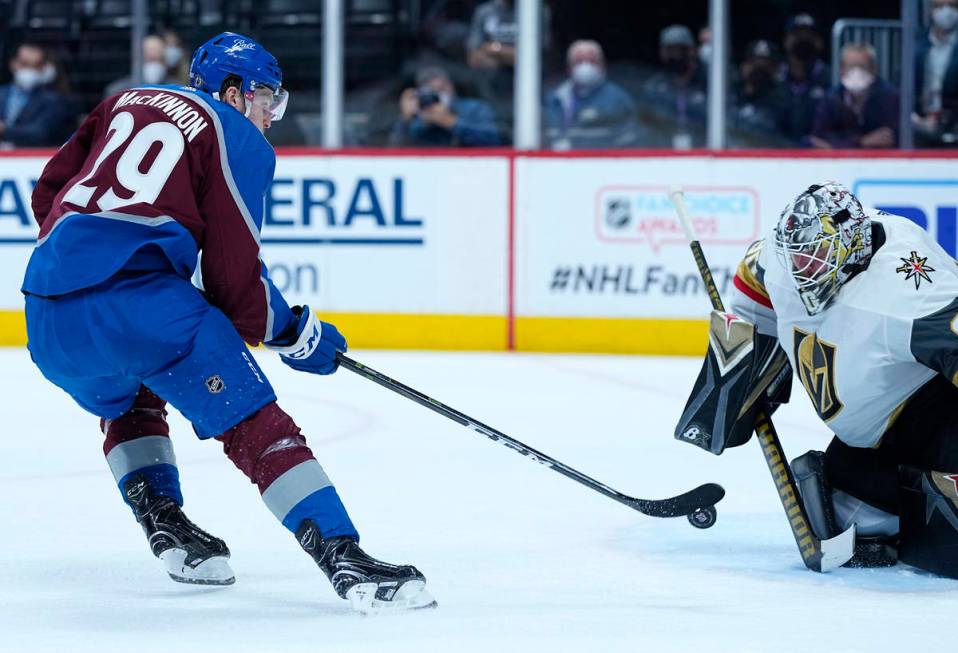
{"type": "Point", "coordinates": [153, 177]}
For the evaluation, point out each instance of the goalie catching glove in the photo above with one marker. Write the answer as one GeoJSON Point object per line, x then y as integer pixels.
{"type": "Point", "coordinates": [743, 371]}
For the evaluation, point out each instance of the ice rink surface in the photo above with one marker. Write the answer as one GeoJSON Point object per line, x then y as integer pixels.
{"type": "Point", "coordinates": [519, 558]}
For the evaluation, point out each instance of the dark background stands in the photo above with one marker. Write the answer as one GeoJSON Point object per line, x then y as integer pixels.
{"type": "Point", "coordinates": [805, 76]}
{"type": "Point", "coordinates": [761, 102]}
{"type": "Point", "coordinates": [673, 99]}
{"type": "Point", "coordinates": [936, 78]}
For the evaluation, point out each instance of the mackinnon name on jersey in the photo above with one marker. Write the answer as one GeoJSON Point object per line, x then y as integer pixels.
{"type": "Point", "coordinates": [180, 112]}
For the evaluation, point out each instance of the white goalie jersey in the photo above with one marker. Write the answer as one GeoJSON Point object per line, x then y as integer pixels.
{"type": "Point", "coordinates": [887, 332]}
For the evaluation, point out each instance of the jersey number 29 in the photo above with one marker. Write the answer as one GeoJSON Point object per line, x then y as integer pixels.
{"type": "Point", "coordinates": [144, 186]}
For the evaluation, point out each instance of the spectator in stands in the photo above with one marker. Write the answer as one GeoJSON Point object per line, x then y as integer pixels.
{"type": "Point", "coordinates": [760, 97]}
{"type": "Point", "coordinates": [32, 112]}
{"type": "Point", "coordinates": [491, 48]}
{"type": "Point", "coordinates": [806, 76]}
{"type": "Point", "coordinates": [936, 77]}
{"type": "Point", "coordinates": [492, 35]}
{"type": "Point", "coordinates": [705, 46]}
{"type": "Point", "coordinates": [432, 115]}
{"type": "Point", "coordinates": [174, 51]}
{"type": "Point", "coordinates": [675, 98]}
{"type": "Point", "coordinates": [155, 70]}
{"type": "Point", "coordinates": [587, 110]}
{"type": "Point", "coordinates": [863, 110]}
{"type": "Point", "coordinates": [445, 27]}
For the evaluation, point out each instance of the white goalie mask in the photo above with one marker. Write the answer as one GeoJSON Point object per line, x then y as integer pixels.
{"type": "Point", "coordinates": [823, 238]}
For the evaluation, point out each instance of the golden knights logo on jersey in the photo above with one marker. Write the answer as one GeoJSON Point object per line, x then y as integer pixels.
{"type": "Point", "coordinates": [815, 366]}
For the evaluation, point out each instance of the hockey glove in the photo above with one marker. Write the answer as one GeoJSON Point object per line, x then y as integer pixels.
{"type": "Point", "coordinates": [742, 372]}
{"type": "Point", "coordinates": [313, 346]}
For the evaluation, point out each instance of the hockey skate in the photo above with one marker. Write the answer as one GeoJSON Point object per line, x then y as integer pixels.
{"type": "Point", "coordinates": [370, 586]}
{"type": "Point", "coordinates": [190, 554]}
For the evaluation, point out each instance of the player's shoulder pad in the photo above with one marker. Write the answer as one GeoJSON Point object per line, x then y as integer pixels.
{"type": "Point", "coordinates": [750, 274]}
{"type": "Point", "coordinates": [910, 275]}
{"type": "Point", "coordinates": [251, 158]}
{"type": "Point", "coordinates": [235, 129]}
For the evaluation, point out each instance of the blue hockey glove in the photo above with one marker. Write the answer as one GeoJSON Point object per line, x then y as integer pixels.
{"type": "Point", "coordinates": [312, 348]}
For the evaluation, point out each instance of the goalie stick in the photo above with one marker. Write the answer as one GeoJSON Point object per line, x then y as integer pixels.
{"type": "Point", "coordinates": [818, 555]}
{"type": "Point", "coordinates": [697, 504]}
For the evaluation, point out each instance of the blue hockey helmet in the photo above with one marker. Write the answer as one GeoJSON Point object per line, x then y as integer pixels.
{"type": "Point", "coordinates": [230, 54]}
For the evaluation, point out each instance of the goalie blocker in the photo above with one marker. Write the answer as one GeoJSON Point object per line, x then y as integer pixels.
{"type": "Point", "coordinates": [743, 371]}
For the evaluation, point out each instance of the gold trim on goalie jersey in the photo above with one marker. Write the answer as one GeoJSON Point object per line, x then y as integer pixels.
{"type": "Point", "coordinates": [815, 367]}
{"type": "Point", "coordinates": [748, 270]}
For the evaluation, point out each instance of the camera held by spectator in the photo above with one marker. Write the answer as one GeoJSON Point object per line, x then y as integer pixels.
{"type": "Point", "coordinates": [431, 114]}
{"type": "Point", "coordinates": [587, 110]}
{"type": "Point", "coordinates": [33, 112]}
{"type": "Point", "coordinates": [863, 110]}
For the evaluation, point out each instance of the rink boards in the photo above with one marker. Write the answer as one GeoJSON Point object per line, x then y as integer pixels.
{"type": "Point", "coordinates": [496, 250]}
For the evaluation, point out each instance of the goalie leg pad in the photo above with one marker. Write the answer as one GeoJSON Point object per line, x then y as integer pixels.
{"type": "Point", "coordinates": [813, 485]}
{"type": "Point", "coordinates": [929, 520]}
{"type": "Point", "coordinates": [871, 475]}
{"type": "Point", "coordinates": [831, 512]}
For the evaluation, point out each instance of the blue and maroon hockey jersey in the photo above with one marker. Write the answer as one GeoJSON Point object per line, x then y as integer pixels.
{"type": "Point", "coordinates": [153, 177]}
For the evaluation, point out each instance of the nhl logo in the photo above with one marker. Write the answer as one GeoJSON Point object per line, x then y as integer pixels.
{"type": "Point", "coordinates": [618, 212]}
{"type": "Point", "coordinates": [215, 384]}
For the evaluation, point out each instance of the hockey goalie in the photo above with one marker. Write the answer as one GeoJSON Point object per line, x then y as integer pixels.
{"type": "Point", "coordinates": [863, 307]}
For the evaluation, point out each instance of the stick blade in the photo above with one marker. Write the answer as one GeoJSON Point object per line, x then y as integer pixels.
{"type": "Point", "coordinates": [837, 550]}
{"type": "Point", "coordinates": [704, 496]}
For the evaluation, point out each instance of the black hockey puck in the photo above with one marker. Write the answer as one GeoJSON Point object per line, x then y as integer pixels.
{"type": "Point", "coordinates": [703, 517]}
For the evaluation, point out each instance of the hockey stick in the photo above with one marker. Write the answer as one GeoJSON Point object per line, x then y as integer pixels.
{"type": "Point", "coordinates": [698, 504]}
{"type": "Point", "coordinates": [818, 555]}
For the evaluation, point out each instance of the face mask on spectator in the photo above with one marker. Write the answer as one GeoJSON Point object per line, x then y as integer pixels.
{"type": "Point", "coordinates": [153, 72]}
{"type": "Point", "coordinates": [857, 80]}
{"type": "Point", "coordinates": [27, 78]}
{"type": "Point", "coordinates": [587, 74]}
{"type": "Point", "coordinates": [172, 55]}
{"type": "Point", "coordinates": [945, 18]}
